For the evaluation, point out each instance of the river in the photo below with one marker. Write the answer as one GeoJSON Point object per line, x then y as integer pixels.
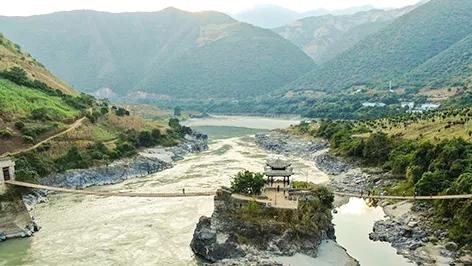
{"type": "Point", "coordinates": [87, 230]}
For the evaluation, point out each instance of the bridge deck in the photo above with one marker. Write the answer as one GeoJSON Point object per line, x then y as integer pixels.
{"type": "Point", "coordinates": [112, 193]}
{"type": "Point", "coordinates": [211, 193]}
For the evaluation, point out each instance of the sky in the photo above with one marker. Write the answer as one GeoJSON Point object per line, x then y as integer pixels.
{"type": "Point", "coordinates": [34, 7]}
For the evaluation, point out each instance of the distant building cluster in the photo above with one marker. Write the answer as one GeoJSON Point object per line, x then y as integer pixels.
{"type": "Point", "coordinates": [411, 106]}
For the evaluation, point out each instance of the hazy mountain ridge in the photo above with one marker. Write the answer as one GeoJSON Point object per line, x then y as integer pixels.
{"type": "Point", "coordinates": [324, 37]}
{"type": "Point", "coordinates": [147, 51]}
{"type": "Point", "coordinates": [273, 16]}
{"type": "Point", "coordinates": [403, 45]}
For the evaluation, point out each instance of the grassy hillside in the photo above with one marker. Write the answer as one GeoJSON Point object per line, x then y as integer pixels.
{"type": "Point", "coordinates": [11, 56]}
{"type": "Point", "coordinates": [18, 102]}
{"type": "Point", "coordinates": [203, 55]}
{"type": "Point", "coordinates": [399, 48]}
{"type": "Point", "coordinates": [29, 115]}
{"type": "Point", "coordinates": [49, 131]}
{"type": "Point", "coordinates": [324, 37]}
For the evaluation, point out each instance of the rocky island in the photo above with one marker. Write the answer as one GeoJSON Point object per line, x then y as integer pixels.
{"type": "Point", "coordinates": [279, 220]}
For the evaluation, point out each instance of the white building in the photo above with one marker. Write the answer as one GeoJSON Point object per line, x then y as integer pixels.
{"type": "Point", "coordinates": [373, 104]}
{"type": "Point", "coordinates": [7, 169]}
{"type": "Point", "coordinates": [409, 105]}
{"type": "Point", "coordinates": [426, 107]}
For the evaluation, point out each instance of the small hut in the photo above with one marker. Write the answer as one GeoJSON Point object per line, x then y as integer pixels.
{"type": "Point", "coordinates": [278, 168]}
{"type": "Point", "coordinates": [7, 169]}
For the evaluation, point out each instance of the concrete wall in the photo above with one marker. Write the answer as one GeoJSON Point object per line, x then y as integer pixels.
{"type": "Point", "coordinates": [11, 165]}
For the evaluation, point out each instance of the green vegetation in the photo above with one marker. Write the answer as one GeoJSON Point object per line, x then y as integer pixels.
{"type": "Point", "coordinates": [39, 163]}
{"type": "Point", "coordinates": [339, 105]}
{"type": "Point", "coordinates": [403, 45]}
{"type": "Point", "coordinates": [21, 101]}
{"type": "Point", "coordinates": [190, 55]}
{"type": "Point", "coordinates": [452, 67]}
{"type": "Point", "coordinates": [325, 196]}
{"type": "Point", "coordinates": [312, 216]}
{"type": "Point", "coordinates": [248, 183]}
{"type": "Point", "coordinates": [421, 166]}
{"type": "Point", "coordinates": [31, 110]}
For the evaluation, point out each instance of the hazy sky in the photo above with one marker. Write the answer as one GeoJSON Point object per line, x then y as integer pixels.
{"type": "Point", "coordinates": [31, 7]}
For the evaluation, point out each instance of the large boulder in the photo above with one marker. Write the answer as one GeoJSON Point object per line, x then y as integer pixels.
{"type": "Point", "coordinates": [207, 244]}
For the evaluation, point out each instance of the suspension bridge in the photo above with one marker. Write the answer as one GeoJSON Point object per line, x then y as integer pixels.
{"type": "Point", "coordinates": [212, 193]}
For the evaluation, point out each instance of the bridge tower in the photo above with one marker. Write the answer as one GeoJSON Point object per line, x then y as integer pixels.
{"type": "Point", "coordinates": [7, 172]}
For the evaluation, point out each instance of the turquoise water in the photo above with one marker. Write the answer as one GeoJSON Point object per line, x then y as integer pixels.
{"type": "Point", "coordinates": [224, 132]}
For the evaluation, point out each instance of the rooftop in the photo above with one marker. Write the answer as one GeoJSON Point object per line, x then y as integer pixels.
{"type": "Point", "coordinates": [278, 164]}
{"type": "Point", "coordinates": [280, 173]}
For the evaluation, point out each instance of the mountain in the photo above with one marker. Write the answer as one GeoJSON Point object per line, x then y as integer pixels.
{"type": "Point", "coordinates": [267, 16]}
{"type": "Point", "coordinates": [11, 56]}
{"type": "Point", "coordinates": [451, 67]}
{"type": "Point", "coordinates": [272, 16]}
{"type": "Point", "coordinates": [171, 52]}
{"type": "Point", "coordinates": [403, 45]}
{"type": "Point", "coordinates": [324, 37]}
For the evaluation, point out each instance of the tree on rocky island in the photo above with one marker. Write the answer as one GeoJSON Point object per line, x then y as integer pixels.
{"type": "Point", "coordinates": [248, 183]}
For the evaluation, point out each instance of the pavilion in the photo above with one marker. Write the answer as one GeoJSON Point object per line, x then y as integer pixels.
{"type": "Point", "coordinates": [278, 168]}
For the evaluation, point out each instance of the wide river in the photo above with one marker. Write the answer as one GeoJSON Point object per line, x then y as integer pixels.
{"type": "Point", "coordinates": [89, 230]}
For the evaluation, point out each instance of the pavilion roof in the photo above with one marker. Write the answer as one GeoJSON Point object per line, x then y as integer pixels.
{"type": "Point", "coordinates": [278, 164]}
{"type": "Point", "coordinates": [279, 173]}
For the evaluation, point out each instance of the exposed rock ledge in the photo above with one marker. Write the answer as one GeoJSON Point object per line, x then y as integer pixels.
{"type": "Point", "coordinates": [146, 162]}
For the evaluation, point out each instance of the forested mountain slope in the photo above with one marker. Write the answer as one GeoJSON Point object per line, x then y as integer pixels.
{"type": "Point", "coordinates": [171, 52]}
{"type": "Point", "coordinates": [452, 67]}
{"type": "Point", "coordinates": [402, 46]}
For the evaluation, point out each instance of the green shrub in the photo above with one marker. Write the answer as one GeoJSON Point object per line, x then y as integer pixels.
{"type": "Point", "coordinates": [6, 133]}
{"type": "Point", "coordinates": [19, 125]}
{"type": "Point", "coordinates": [249, 183]}
{"type": "Point", "coordinates": [122, 112]}
{"type": "Point", "coordinates": [45, 114]}
{"type": "Point", "coordinates": [36, 130]}
{"type": "Point", "coordinates": [73, 159]}
{"type": "Point", "coordinates": [27, 139]}
{"type": "Point", "coordinates": [16, 74]}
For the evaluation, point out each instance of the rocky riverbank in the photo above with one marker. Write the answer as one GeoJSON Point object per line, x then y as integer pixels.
{"type": "Point", "coordinates": [146, 162]}
{"type": "Point", "coordinates": [407, 227]}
